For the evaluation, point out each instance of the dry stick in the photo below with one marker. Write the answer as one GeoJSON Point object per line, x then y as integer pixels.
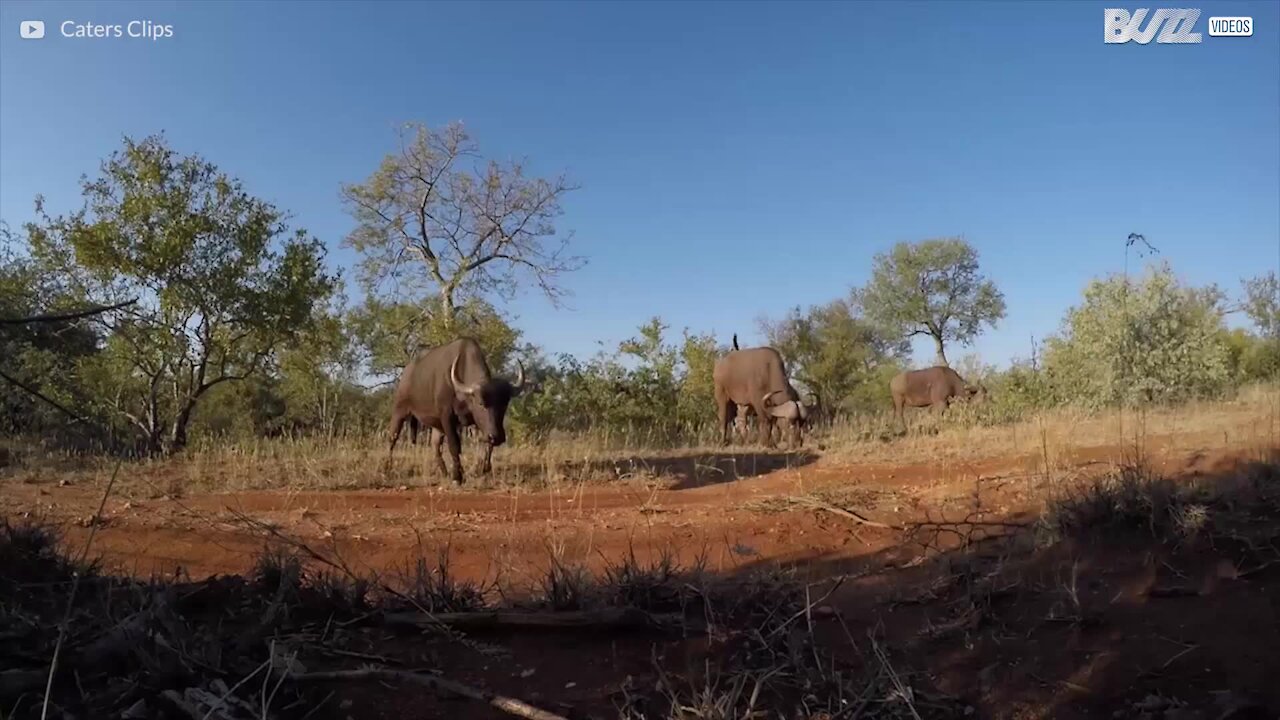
{"type": "Point", "coordinates": [221, 704]}
{"type": "Point", "coordinates": [847, 514]}
{"type": "Point", "coordinates": [75, 585]}
{"type": "Point", "coordinates": [903, 691]}
{"type": "Point", "coordinates": [808, 606]}
{"type": "Point", "coordinates": [1170, 661]}
{"type": "Point", "coordinates": [36, 393]}
{"type": "Point", "coordinates": [606, 618]}
{"type": "Point", "coordinates": [509, 705]}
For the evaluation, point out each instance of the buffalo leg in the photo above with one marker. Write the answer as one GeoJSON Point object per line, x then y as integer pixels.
{"type": "Point", "coordinates": [726, 411]}
{"type": "Point", "coordinates": [437, 442]}
{"type": "Point", "coordinates": [414, 425]}
{"type": "Point", "coordinates": [898, 405]}
{"type": "Point", "coordinates": [452, 436]}
{"type": "Point", "coordinates": [397, 423]}
{"type": "Point", "coordinates": [765, 421]}
{"type": "Point", "coordinates": [487, 467]}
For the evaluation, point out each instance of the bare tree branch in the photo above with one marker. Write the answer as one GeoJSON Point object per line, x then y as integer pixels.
{"type": "Point", "coordinates": [62, 317]}
{"type": "Point", "coordinates": [36, 393]}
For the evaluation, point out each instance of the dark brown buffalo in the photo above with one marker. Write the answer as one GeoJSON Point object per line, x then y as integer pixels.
{"type": "Point", "coordinates": [757, 377]}
{"type": "Point", "coordinates": [932, 387]}
{"type": "Point", "coordinates": [447, 388]}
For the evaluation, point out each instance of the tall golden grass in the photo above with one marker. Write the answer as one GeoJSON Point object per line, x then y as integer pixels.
{"type": "Point", "coordinates": [1250, 419]}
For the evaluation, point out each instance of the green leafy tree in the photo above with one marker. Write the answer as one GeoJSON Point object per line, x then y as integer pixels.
{"type": "Point", "coordinates": [38, 360]}
{"type": "Point", "coordinates": [647, 390]}
{"type": "Point", "coordinates": [221, 282]}
{"type": "Point", "coordinates": [1156, 339]}
{"type": "Point", "coordinates": [437, 221]}
{"type": "Point", "coordinates": [697, 399]}
{"type": "Point", "coordinates": [932, 288]}
{"type": "Point", "coordinates": [317, 372]}
{"type": "Point", "coordinates": [389, 333]}
{"type": "Point", "coordinates": [838, 354]}
{"type": "Point", "coordinates": [1261, 360]}
{"type": "Point", "coordinates": [1262, 304]}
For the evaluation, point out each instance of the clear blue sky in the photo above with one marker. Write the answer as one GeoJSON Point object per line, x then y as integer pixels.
{"type": "Point", "coordinates": [735, 159]}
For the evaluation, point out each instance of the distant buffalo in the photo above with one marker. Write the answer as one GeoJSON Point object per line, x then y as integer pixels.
{"type": "Point", "coordinates": [932, 387]}
{"type": "Point", "coordinates": [757, 377]}
{"type": "Point", "coordinates": [450, 387]}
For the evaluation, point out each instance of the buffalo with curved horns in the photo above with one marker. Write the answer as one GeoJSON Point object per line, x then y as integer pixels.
{"type": "Point", "coordinates": [757, 377]}
{"type": "Point", "coordinates": [447, 388]}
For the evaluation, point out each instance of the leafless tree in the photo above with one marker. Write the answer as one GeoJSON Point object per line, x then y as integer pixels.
{"type": "Point", "coordinates": [437, 219]}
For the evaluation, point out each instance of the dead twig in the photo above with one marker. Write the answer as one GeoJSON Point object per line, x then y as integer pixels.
{"type": "Point", "coordinates": [627, 617]}
{"type": "Point", "coordinates": [75, 585]}
{"type": "Point", "coordinates": [804, 612]}
{"type": "Point", "coordinates": [903, 691]}
{"type": "Point", "coordinates": [509, 705]}
{"type": "Point", "coordinates": [817, 504]}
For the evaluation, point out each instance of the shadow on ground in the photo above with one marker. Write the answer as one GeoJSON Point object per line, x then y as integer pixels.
{"type": "Point", "coordinates": [679, 471]}
{"type": "Point", "coordinates": [1138, 596]}
{"type": "Point", "coordinates": [1149, 597]}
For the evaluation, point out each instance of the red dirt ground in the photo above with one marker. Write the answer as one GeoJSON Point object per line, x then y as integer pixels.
{"type": "Point", "coordinates": [1018, 664]}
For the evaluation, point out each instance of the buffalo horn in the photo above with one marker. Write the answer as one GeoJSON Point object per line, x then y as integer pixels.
{"type": "Point", "coordinates": [519, 376]}
{"type": "Point", "coordinates": [458, 385]}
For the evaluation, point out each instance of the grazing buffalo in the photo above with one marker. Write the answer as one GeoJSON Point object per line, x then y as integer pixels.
{"type": "Point", "coordinates": [757, 377]}
{"type": "Point", "coordinates": [447, 388]}
{"type": "Point", "coordinates": [932, 387]}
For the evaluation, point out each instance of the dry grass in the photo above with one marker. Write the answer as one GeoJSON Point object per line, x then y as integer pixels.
{"type": "Point", "coordinates": [1251, 419]}
{"type": "Point", "coordinates": [182, 646]}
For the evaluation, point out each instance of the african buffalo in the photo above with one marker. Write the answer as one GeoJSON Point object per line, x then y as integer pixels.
{"type": "Point", "coordinates": [932, 387]}
{"type": "Point", "coordinates": [757, 377]}
{"type": "Point", "coordinates": [447, 388]}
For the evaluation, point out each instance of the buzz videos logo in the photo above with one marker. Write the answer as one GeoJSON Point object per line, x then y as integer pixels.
{"type": "Point", "coordinates": [1173, 25]}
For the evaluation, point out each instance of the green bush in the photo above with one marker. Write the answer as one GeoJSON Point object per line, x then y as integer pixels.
{"type": "Point", "coordinates": [1152, 340]}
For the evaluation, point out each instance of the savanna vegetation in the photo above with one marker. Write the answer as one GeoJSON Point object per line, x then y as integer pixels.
{"type": "Point", "coordinates": [236, 326]}
{"type": "Point", "coordinates": [177, 325]}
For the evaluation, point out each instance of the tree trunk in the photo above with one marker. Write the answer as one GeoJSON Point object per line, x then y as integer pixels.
{"type": "Point", "coordinates": [448, 309]}
{"type": "Point", "coordinates": [178, 431]}
{"type": "Point", "coordinates": [941, 359]}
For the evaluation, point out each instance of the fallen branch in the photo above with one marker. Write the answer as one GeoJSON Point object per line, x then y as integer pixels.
{"type": "Point", "coordinates": [817, 504]}
{"type": "Point", "coordinates": [60, 317]}
{"type": "Point", "coordinates": [593, 619]}
{"type": "Point", "coordinates": [509, 705]}
{"type": "Point", "coordinates": [1172, 591]}
{"type": "Point", "coordinates": [16, 683]}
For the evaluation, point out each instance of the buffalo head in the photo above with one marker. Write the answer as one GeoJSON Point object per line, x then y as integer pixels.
{"type": "Point", "coordinates": [487, 401]}
{"type": "Point", "coordinates": [793, 410]}
{"type": "Point", "coordinates": [976, 393]}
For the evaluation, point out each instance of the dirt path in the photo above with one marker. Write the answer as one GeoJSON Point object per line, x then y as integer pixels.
{"type": "Point", "coordinates": [513, 534]}
{"type": "Point", "coordinates": [1124, 643]}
